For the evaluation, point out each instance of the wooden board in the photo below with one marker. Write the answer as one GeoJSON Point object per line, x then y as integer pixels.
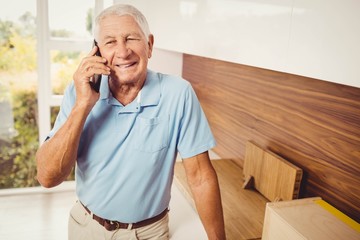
{"type": "Point", "coordinates": [274, 177]}
{"type": "Point", "coordinates": [313, 124]}
{"type": "Point", "coordinates": [309, 218]}
{"type": "Point", "coordinates": [244, 210]}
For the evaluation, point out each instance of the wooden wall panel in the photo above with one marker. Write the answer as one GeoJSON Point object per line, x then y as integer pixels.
{"type": "Point", "coordinates": [311, 123]}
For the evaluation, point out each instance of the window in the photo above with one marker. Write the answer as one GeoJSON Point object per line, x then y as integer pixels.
{"type": "Point", "coordinates": [18, 87]}
{"type": "Point", "coordinates": [64, 32]}
{"type": "Point", "coordinates": [37, 62]}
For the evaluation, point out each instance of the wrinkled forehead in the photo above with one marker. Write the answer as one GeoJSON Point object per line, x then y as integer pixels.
{"type": "Point", "coordinates": [119, 27]}
{"type": "Point", "coordinates": [116, 22]}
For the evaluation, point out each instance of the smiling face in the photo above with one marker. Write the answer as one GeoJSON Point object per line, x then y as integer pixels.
{"type": "Point", "coordinates": [126, 49]}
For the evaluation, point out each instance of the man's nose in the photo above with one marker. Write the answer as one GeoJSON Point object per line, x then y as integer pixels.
{"type": "Point", "coordinates": [122, 50]}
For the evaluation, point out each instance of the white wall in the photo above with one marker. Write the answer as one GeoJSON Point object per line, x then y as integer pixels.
{"type": "Point", "coordinates": [318, 39]}
{"type": "Point", "coordinates": [165, 61]}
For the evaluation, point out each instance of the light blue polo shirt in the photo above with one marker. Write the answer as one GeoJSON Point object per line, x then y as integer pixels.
{"type": "Point", "coordinates": [127, 153]}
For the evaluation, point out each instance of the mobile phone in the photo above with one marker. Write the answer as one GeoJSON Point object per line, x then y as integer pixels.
{"type": "Point", "coordinates": [96, 80]}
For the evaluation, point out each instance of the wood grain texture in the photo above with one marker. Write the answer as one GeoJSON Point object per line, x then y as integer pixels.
{"type": "Point", "coordinates": [311, 123]}
{"type": "Point", "coordinates": [304, 219]}
{"type": "Point", "coordinates": [274, 177]}
{"type": "Point", "coordinates": [244, 210]}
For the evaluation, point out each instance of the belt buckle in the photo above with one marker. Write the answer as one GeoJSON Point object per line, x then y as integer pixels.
{"type": "Point", "coordinates": [117, 224]}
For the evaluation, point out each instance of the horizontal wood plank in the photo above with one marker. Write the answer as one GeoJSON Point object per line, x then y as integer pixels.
{"type": "Point", "coordinates": [313, 124]}
{"type": "Point", "coordinates": [307, 219]}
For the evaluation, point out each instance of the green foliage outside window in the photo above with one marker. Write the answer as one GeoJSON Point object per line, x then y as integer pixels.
{"type": "Point", "coordinates": [18, 87]}
{"type": "Point", "coordinates": [18, 63]}
{"type": "Point", "coordinates": [17, 162]}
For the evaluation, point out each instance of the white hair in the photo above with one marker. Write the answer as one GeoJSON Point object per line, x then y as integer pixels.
{"type": "Point", "coordinates": [121, 10]}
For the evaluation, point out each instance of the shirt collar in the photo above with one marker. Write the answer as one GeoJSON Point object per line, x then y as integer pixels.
{"type": "Point", "coordinates": [104, 88]}
{"type": "Point", "coordinates": [150, 92]}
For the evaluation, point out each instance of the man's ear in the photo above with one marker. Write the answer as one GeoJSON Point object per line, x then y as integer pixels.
{"type": "Point", "coordinates": [151, 44]}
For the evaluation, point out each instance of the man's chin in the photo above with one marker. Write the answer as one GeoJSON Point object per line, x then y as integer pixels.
{"type": "Point", "coordinates": [123, 79]}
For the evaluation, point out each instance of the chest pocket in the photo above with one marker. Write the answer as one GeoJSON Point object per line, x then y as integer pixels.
{"type": "Point", "coordinates": [152, 134]}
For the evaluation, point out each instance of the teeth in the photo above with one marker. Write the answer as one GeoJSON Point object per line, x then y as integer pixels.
{"type": "Point", "coordinates": [124, 65]}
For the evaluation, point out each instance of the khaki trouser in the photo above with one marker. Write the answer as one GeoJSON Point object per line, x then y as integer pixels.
{"type": "Point", "coordinates": [83, 227]}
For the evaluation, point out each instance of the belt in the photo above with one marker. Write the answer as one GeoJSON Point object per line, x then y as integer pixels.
{"type": "Point", "coordinates": [113, 225]}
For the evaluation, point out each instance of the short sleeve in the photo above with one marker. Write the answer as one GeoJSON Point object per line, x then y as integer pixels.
{"type": "Point", "coordinates": [195, 135]}
{"type": "Point", "coordinates": [65, 109]}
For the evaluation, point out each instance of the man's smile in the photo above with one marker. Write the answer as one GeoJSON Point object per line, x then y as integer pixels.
{"type": "Point", "coordinates": [125, 65]}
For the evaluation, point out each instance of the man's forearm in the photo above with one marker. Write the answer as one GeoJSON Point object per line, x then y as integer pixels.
{"type": "Point", "coordinates": [56, 157]}
{"type": "Point", "coordinates": [208, 203]}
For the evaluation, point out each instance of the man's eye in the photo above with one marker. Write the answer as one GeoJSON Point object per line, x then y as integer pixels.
{"type": "Point", "coordinates": [109, 42]}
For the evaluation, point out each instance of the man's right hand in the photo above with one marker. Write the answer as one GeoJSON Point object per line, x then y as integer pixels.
{"type": "Point", "coordinates": [90, 65]}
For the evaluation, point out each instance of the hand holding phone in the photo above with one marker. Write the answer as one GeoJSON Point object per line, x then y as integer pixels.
{"type": "Point", "coordinates": [96, 79]}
